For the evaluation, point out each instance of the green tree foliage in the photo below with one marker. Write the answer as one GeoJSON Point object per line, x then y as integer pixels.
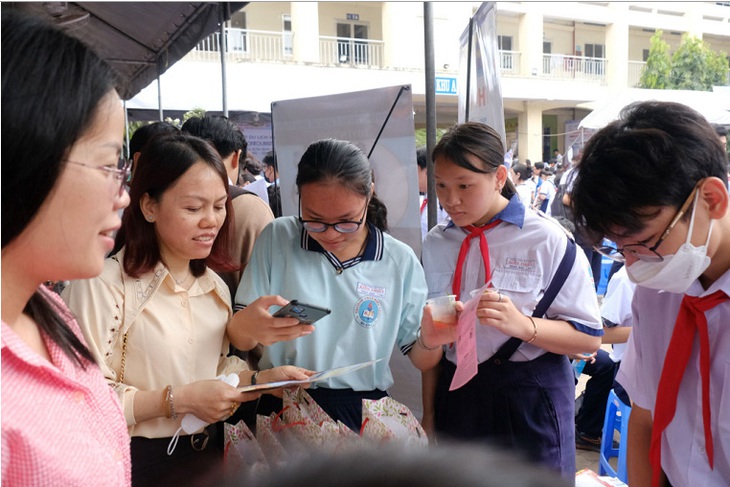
{"type": "Point", "coordinates": [421, 136]}
{"type": "Point", "coordinates": [658, 65]}
{"type": "Point", "coordinates": [694, 66]}
{"type": "Point", "coordinates": [689, 64]}
{"type": "Point", "coordinates": [195, 112]}
{"type": "Point", "coordinates": [717, 64]}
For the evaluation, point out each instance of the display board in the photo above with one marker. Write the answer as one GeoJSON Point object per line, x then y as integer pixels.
{"type": "Point", "coordinates": [362, 117]}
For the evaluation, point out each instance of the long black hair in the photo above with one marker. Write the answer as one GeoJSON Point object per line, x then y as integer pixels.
{"type": "Point", "coordinates": [344, 163]}
{"type": "Point", "coordinates": [52, 85]}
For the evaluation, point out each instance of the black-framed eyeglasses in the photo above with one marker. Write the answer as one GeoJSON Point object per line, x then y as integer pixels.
{"type": "Point", "coordinates": [640, 251]}
{"type": "Point", "coordinates": [316, 226]}
{"type": "Point", "coordinates": [120, 173]}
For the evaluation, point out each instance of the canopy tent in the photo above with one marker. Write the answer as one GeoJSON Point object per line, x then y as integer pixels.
{"type": "Point", "coordinates": [141, 40]}
{"type": "Point", "coordinates": [714, 105]}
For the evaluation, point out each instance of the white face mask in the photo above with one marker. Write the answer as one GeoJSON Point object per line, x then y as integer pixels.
{"type": "Point", "coordinates": [676, 272]}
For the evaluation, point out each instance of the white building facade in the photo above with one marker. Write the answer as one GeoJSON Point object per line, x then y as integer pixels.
{"type": "Point", "coordinates": [554, 56]}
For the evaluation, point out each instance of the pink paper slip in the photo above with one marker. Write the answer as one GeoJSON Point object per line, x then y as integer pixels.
{"type": "Point", "coordinates": [466, 342]}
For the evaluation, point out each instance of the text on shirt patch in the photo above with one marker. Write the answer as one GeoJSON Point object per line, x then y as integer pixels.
{"type": "Point", "coordinates": [520, 265]}
{"type": "Point", "coordinates": [369, 290]}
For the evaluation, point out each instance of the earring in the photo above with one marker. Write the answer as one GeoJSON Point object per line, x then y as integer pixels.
{"type": "Point", "coordinates": [149, 218]}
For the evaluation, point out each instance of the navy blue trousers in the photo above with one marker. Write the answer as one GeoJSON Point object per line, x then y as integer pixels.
{"type": "Point", "coordinates": [527, 406]}
{"type": "Point", "coordinates": [589, 420]}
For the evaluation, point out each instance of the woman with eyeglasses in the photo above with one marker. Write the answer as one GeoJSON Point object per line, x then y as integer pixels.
{"type": "Point", "coordinates": [157, 317]}
{"type": "Point", "coordinates": [335, 255]}
{"type": "Point", "coordinates": [61, 192]}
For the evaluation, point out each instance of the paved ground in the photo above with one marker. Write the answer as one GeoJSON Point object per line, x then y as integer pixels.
{"type": "Point", "coordinates": [583, 458]}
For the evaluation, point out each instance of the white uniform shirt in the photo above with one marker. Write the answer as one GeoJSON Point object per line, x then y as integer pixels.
{"type": "Point", "coordinates": [525, 251]}
{"type": "Point", "coordinates": [616, 306]}
{"type": "Point", "coordinates": [526, 192]}
{"type": "Point", "coordinates": [683, 443]}
{"type": "Point", "coordinates": [376, 301]}
{"type": "Point", "coordinates": [548, 189]}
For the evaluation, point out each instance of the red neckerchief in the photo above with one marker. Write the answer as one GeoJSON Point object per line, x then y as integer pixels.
{"type": "Point", "coordinates": [691, 318]}
{"type": "Point", "coordinates": [483, 245]}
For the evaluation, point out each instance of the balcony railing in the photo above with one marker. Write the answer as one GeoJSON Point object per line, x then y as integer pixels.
{"type": "Point", "coordinates": [246, 45]}
{"type": "Point", "coordinates": [509, 62]}
{"type": "Point", "coordinates": [266, 46]}
{"type": "Point", "coordinates": [348, 51]}
{"type": "Point", "coordinates": [635, 70]}
{"type": "Point", "coordinates": [558, 66]}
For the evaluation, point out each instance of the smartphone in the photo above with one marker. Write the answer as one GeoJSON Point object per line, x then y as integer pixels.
{"type": "Point", "coordinates": [305, 313]}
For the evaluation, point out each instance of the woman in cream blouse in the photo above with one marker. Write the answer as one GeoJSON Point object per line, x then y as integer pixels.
{"type": "Point", "coordinates": [157, 317]}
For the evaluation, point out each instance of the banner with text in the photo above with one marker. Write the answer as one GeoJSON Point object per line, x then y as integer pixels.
{"type": "Point", "coordinates": [485, 89]}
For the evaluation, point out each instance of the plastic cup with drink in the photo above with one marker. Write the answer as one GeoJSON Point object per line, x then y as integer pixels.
{"type": "Point", "coordinates": [443, 311]}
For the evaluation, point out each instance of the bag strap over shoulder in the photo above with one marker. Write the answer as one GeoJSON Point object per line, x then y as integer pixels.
{"type": "Point", "coordinates": [134, 300]}
{"type": "Point", "coordinates": [561, 275]}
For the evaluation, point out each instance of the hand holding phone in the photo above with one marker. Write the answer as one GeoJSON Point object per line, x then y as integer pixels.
{"type": "Point", "coordinates": [255, 324]}
{"type": "Point", "coordinates": [305, 313]}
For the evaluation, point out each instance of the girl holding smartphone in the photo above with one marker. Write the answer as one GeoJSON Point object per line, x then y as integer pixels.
{"type": "Point", "coordinates": [337, 254]}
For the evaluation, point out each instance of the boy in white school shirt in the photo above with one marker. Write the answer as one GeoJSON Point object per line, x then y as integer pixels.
{"type": "Point", "coordinates": [668, 215]}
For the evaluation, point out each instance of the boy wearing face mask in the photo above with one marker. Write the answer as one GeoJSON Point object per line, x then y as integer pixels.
{"type": "Point", "coordinates": [669, 219]}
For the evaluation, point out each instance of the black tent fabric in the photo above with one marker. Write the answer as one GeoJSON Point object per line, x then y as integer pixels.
{"type": "Point", "coordinates": [140, 39]}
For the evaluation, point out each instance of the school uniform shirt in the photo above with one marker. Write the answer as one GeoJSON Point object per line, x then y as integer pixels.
{"type": "Point", "coordinates": [376, 300]}
{"type": "Point", "coordinates": [616, 306]}
{"type": "Point", "coordinates": [177, 336]}
{"type": "Point", "coordinates": [534, 186]}
{"type": "Point", "coordinates": [525, 251]}
{"type": "Point", "coordinates": [441, 214]}
{"type": "Point", "coordinates": [684, 459]}
{"type": "Point", "coordinates": [525, 191]}
{"type": "Point", "coordinates": [548, 189]}
{"type": "Point", "coordinates": [61, 424]}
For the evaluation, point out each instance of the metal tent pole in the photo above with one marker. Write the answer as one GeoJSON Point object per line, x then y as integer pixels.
{"type": "Point", "coordinates": [430, 109]}
{"type": "Point", "coordinates": [222, 10]}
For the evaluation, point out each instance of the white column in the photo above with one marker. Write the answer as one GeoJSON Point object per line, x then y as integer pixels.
{"type": "Point", "coordinates": [529, 132]}
{"type": "Point", "coordinates": [694, 18]}
{"type": "Point", "coordinates": [617, 48]}
{"type": "Point", "coordinates": [402, 34]}
{"type": "Point", "coordinates": [305, 31]}
{"type": "Point", "coordinates": [531, 38]}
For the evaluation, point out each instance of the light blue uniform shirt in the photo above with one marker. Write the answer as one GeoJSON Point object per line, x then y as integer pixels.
{"type": "Point", "coordinates": [376, 300]}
